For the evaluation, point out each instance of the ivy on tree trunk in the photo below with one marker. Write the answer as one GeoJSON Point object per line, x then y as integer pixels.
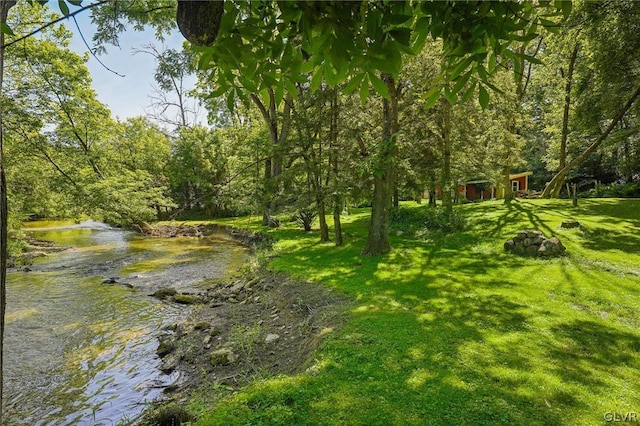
{"type": "Point", "coordinates": [378, 238]}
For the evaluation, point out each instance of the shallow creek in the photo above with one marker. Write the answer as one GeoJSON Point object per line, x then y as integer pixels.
{"type": "Point", "coordinates": [79, 352]}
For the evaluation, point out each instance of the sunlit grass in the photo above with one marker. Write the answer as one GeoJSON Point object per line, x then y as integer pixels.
{"type": "Point", "coordinates": [456, 331]}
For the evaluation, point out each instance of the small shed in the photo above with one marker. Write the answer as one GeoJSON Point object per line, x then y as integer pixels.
{"type": "Point", "coordinates": [519, 184]}
{"type": "Point", "coordinates": [520, 181]}
{"type": "Point", "coordinates": [484, 189]}
{"type": "Point", "coordinates": [476, 190]}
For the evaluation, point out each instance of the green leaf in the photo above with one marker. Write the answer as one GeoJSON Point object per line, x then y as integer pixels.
{"type": "Point", "coordinates": [265, 97]}
{"type": "Point", "coordinates": [316, 79]}
{"type": "Point", "coordinates": [432, 97]}
{"type": "Point", "coordinates": [420, 34]}
{"type": "Point", "coordinates": [279, 92]}
{"type": "Point", "coordinates": [6, 29]}
{"type": "Point", "coordinates": [217, 92]}
{"type": "Point", "coordinates": [373, 21]}
{"type": "Point", "coordinates": [532, 59]}
{"type": "Point", "coordinates": [402, 36]}
{"type": "Point", "coordinates": [291, 89]}
{"type": "Point", "coordinates": [396, 19]}
{"type": "Point", "coordinates": [482, 73]}
{"type": "Point", "coordinates": [491, 64]}
{"type": "Point", "coordinates": [483, 97]}
{"type": "Point", "coordinates": [549, 25]}
{"type": "Point", "coordinates": [565, 6]}
{"type": "Point", "coordinates": [231, 100]}
{"type": "Point", "coordinates": [461, 82]}
{"type": "Point", "coordinates": [63, 7]}
{"type": "Point", "coordinates": [75, 2]}
{"type": "Point", "coordinates": [379, 85]}
{"type": "Point", "coordinates": [205, 59]}
{"type": "Point", "coordinates": [460, 67]}
{"type": "Point", "coordinates": [248, 84]}
{"type": "Point", "coordinates": [332, 78]}
{"type": "Point", "coordinates": [385, 58]}
{"type": "Point", "coordinates": [470, 91]}
{"type": "Point", "coordinates": [450, 96]}
{"type": "Point", "coordinates": [353, 84]}
{"type": "Point", "coordinates": [364, 90]}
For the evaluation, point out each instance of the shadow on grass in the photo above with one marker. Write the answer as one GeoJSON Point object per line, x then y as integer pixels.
{"type": "Point", "coordinates": [610, 239]}
{"type": "Point", "coordinates": [589, 350]}
{"type": "Point", "coordinates": [613, 210]}
{"type": "Point", "coordinates": [509, 217]}
{"type": "Point", "coordinates": [443, 333]}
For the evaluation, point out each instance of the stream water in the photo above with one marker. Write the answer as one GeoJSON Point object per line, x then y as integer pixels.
{"type": "Point", "coordinates": [79, 352]}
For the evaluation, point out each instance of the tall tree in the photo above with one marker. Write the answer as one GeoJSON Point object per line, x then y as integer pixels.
{"type": "Point", "coordinates": [172, 103]}
{"type": "Point", "coordinates": [611, 32]}
{"type": "Point", "coordinates": [5, 5]}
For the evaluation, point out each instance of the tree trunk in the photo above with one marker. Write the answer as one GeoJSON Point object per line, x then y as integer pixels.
{"type": "Point", "coordinates": [4, 211]}
{"type": "Point", "coordinates": [337, 225]}
{"type": "Point", "coordinates": [266, 194]}
{"type": "Point", "coordinates": [446, 167]}
{"type": "Point", "coordinates": [322, 220]}
{"type": "Point", "coordinates": [565, 116]}
{"type": "Point", "coordinates": [506, 181]}
{"type": "Point", "coordinates": [378, 238]}
{"type": "Point", "coordinates": [558, 179]}
{"type": "Point", "coordinates": [337, 199]}
{"type": "Point", "coordinates": [273, 164]}
{"type": "Point", "coordinates": [567, 105]}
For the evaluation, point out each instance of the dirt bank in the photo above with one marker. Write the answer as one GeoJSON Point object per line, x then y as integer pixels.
{"type": "Point", "coordinates": [243, 236]}
{"type": "Point", "coordinates": [260, 325]}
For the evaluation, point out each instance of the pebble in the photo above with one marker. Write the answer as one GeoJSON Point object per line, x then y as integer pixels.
{"type": "Point", "coordinates": [271, 338]}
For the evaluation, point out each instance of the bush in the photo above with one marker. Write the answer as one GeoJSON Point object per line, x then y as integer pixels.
{"type": "Point", "coordinates": [429, 219]}
{"type": "Point", "coordinates": [615, 190]}
{"type": "Point", "coordinates": [305, 219]}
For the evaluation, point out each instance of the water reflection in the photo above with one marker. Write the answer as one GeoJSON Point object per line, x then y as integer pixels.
{"type": "Point", "coordinates": [80, 352]}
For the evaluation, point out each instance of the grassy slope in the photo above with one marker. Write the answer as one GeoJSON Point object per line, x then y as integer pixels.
{"type": "Point", "coordinates": [457, 331]}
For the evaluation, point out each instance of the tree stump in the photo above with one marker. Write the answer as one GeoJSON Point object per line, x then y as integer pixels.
{"type": "Point", "coordinates": [569, 224]}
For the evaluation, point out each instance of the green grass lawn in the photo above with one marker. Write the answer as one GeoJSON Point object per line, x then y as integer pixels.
{"type": "Point", "coordinates": [456, 331]}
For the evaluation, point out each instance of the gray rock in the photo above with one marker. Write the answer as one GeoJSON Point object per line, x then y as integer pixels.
{"type": "Point", "coordinates": [509, 245]}
{"type": "Point", "coordinates": [237, 287]}
{"type": "Point", "coordinates": [531, 250]}
{"type": "Point", "coordinates": [271, 338]}
{"type": "Point", "coordinates": [222, 356]}
{"type": "Point", "coordinates": [163, 293]}
{"type": "Point", "coordinates": [165, 347]}
{"type": "Point", "coordinates": [170, 363]}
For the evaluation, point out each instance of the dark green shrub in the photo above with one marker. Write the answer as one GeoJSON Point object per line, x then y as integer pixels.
{"type": "Point", "coordinates": [429, 219]}
{"type": "Point", "coordinates": [305, 219]}
{"type": "Point", "coordinates": [615, 190]}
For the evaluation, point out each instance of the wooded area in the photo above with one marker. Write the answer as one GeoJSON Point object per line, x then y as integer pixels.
{"type": "Point", "coordinates": [317, 107]}
{"type": "Point", "coordinates": [291, 134]}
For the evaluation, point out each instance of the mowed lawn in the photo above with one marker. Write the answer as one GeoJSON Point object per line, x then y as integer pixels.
{"type": "Point", "coordinates": [455, 331]}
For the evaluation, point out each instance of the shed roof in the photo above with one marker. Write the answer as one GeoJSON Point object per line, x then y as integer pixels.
{"type": "Point", "coordinates": [519, 175]}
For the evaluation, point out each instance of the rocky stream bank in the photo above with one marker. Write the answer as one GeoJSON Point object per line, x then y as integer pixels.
{"type": "Point", "coordinates": [256, 326]}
